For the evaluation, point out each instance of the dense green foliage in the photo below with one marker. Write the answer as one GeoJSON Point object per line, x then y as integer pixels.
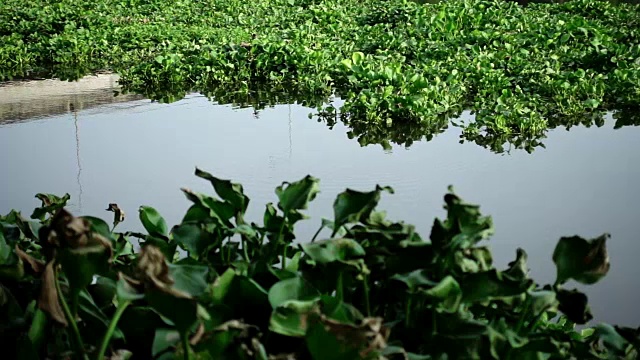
{"type": "Point", "coordinates": [403, 68]}
{"type": "Point", "coordinates": [218, 287]}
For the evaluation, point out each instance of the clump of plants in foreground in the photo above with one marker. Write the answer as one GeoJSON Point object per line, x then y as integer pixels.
{"type": "Point", "coordinates": [522, 70]}
{"type": "Point", "coordinates": [218, 287]}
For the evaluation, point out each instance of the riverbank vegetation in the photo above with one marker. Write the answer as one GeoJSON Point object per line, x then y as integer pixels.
{"type": "Point", "coordinates": [217, 286]}
{"type": "Point", "coordinates": [522, 70]}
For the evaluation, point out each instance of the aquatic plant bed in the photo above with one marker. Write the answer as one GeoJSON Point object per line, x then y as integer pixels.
{"type": "Point", "coordinates": [521, 69]}
{"type": "Point", "coordinates": [218, 287]}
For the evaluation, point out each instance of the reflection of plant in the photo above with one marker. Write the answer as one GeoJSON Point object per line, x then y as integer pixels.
{"type": "Point", "coordinates": [521, 70]}
{"type": "Point", "coordinates": [374, 289]}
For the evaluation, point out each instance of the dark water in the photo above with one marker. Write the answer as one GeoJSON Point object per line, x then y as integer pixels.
{"type": "Point", "coordinates": [137, 152]}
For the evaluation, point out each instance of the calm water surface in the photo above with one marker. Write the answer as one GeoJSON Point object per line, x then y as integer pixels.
{"type": "Point", "coordinates": [136, 152]}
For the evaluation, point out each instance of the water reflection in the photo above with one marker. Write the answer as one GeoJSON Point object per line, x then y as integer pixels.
{"type": "Point", "coordinates": [584, 182]}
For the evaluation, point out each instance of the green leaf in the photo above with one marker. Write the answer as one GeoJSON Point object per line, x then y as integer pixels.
{"type": "Point", "coordinates": [355, 206]}
{"type": "Point", "coordinates": [231, 192]}
{"type": "Point", "coordinates": [192, 238]}
{"type": "Point", "coordinates": [219, 210]}
{"type": "Point", "coordinates": [182, 312]}
{"type": "Point", "coordinates": [295, 288]}
{"type": "Point", "coordinates": [447, 293]}
{"type": "Point", "coordinates": [153, 222]}
{"type": "Point", "coordinates": [163, 340]}
{"type": "Point", "coordinates": [611, 339]}
{"type": "Point", "coordinates": [414, 280]}
{"type": "Point", "coordinates": [357, 58]}
{"type": "Point", "coordinates": [332, 250]}
{"type": "Point", "coordinates": [297, 195]}
{"type": "Point", "coordinates": [585, 261]}
{"type": "Point", "coordinates": [126, 292]}
{"type": "Point", "coordinates": [81, 264]}
{"type": "Point", "coordinates": [191, 279]}
{"type": "Point", "coordinates": [541, 301]}
{"type": "Point", "coordinates": [291, 318]}
{"type": "Point", "coordinates": [491, 284]}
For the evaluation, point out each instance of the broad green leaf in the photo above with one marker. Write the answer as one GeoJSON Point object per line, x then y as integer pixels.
{"type": "Point", "coordinates": [518, 268]}
{"type": "Point", "coordinates": [191, 279]}
{"type": "Point", "coordinates": [491, 284]}
{"type": "Point", "coordinates": [414, 280]}
{"type": "Point", "coordinates": [323, 345]}
{"type": "Point", "coordinates": [355, 206]}
{"type": "Point", "coordinates": [295, 288]}
{"type": "Point", "coordinates": [447, 293]}
{"type": "Point", "coordinates": [220, 210]}
{"type": "Point", "coordinates": [221, 286]}
{"type": "Point", "coordinates": [183, 313]}
{"type": "Point", "coordinates": [611, 339]}
{"type": "Point", "coordinates": [163, 340]}
{"type": "Point", "coordinates": [357, 58]}
{"type": "Point", "coordinates": [227, 190]}
{"type": "Point", "coordinates": [291, 318]}
{"type": "Point", "coordinates": [126, 292]}
{"type": "Point", "coordinates": [192, 238]}
{"type": "Point", "coordinates": [153, 222]}
{"type": "Point", "coordinates": [332, 250]}
{"type": "Point", "coordinates": [541, 301]}
{"type": "Point", "coordinates": [464, 227]}
{"type": "Point", "coordinates": [297, 195]}
{"type": "Point", "coordinates": [585, 261]}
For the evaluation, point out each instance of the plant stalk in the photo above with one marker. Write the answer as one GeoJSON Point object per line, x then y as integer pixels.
{"type": "Point", "coordinates": [186, 347]}
{"type": "Point", "coordinates": [77, 339]}
{"type": "Point", "coordinates": [317, 233]}
{"type": "Point", "coordinates": [365, 284]}
{"type": "Point", "coordinates": [339, 287]}
{"type": "Point", "coordinates": [112, 327]}
{"type": "Point", "coordinates": [407, 314]}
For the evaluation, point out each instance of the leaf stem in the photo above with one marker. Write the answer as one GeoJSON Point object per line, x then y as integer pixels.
{"type": "Point", "coordinates": [365, 285]}
{"type": "Point", "coordinates": [185, 344]}
{"type": "Point", "coordinates": [122, 306]}
{"type": "Point", "coordinates": [78, 344]}
{"type": "Point", "coordinates": [317, 233]}
{"type": "Point", "coordinates": [339, 287]}
{"type": "Point", "coordinates": [407, 314]}
{"type": "Point", "coordinates": [284, 257]}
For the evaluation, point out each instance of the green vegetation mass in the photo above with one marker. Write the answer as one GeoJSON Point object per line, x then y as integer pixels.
{"type": "Point", "coordinates": [216, 286]}
{"type": "Point", "coordinates": [404, 69]}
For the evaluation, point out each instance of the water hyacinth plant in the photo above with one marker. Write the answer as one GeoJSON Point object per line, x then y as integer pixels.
{"type": "Point", "coordinates": [218, 287]}
{"type": "Point", "coordinates": [404, 69]}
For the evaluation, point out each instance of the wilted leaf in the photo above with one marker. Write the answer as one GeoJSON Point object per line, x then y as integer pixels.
{"type": "Point", "coordinates": [574, 305]}
{"type": "Point", "coordinates": [48, 300]}
{"type": "Point", "coordinates": [585, 261]}
{"type": "Point", "coordinates": [50, 205]}
{"type": "Point", "coordinates": [118, 214]}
